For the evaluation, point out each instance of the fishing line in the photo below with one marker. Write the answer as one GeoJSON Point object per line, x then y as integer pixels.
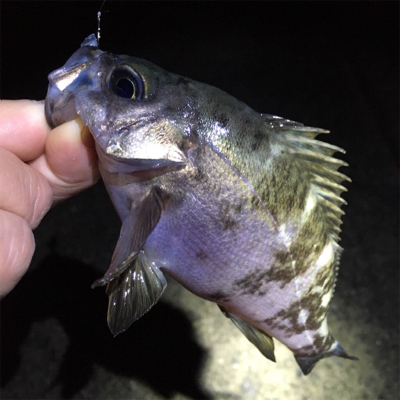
{"type": "Point", "coordinates": [98, 22]}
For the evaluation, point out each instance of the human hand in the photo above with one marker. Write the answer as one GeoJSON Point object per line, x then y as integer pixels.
{"type": "Point", "coordinates": [39, 167]}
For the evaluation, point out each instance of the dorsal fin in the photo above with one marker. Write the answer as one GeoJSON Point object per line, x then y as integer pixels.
{"type": "Point", "coordinates": [317, 158]}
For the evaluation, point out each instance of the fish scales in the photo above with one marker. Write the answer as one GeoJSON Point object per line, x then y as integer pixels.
{"type": "Point", "coordinates": [241, 208]}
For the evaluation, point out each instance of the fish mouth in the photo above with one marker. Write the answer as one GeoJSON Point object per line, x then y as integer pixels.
{"type": "Point", "coordinates": [67, 80]}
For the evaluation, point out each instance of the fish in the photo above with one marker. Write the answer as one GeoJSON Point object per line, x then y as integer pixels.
{"type": "Point", "coordinates": [241, 208]}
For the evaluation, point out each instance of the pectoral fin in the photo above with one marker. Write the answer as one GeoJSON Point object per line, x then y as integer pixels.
{"type": "Point", "coordinates": [133, 293]}
{"type": "Point", "coordinates": [135, 230]}
{"type": "Point", "coordinates": [134, 285]}
{"type": "Point", "coordinates": [260, 339]}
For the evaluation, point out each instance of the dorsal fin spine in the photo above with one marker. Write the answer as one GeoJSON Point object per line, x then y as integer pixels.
{"type": "Point", "coordinates": [317, 158]}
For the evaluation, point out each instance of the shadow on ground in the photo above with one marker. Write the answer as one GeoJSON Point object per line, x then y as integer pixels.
{"type": "Point", "coordinates": [168, 360]}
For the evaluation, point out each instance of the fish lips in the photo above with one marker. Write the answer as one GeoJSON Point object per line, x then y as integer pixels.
{"type": "Point", "coordinates": [78, 72]}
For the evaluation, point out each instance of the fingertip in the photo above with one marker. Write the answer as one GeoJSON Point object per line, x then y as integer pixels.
{"type": "Point", "coordinates": [23, 122]}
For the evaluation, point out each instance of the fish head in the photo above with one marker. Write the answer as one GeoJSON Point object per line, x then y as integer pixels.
{"type": "Point", "coordinates": [132, 107]}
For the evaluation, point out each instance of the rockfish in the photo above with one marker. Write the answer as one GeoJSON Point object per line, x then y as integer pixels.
{"type": "Point", "coordinates": [241, 208]}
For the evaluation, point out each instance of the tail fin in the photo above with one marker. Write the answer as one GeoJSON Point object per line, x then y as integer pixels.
{"type": "Point", "coordinates": [307, 363]}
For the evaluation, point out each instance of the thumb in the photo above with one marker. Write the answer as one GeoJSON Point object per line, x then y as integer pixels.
{"type": "Point", "coordinates": [69, 162]}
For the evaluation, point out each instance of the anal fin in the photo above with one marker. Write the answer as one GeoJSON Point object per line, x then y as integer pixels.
{"type": "Point", "coordinates": [133, 293]}
{"type": "Point", "coordinates": [260, 339]}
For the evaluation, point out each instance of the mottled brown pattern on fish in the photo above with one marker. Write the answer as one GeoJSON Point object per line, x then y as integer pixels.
{"type": "Point", "coordinates": [228, 223]}
{"type": "Point", "coordinates": [258, 139]}
{"type": "Point", "coordinates": [304, 251]}
{"type": "Point", "coordinates": [219, 296]}
{"type": "Point", "coordinates": [238, 207]}
{"type": "Point", "coordinates": [221, 117]}
{"type": "Point", "coordinates": [325, 277]}
{"type": "Point", "coordinates": [281, 190]}
{"type": "Point", "coordinates": [320, 344]}
{"type": "Point", "coordinates": [225, 215]}
{"type": "Point", "coordinates": [229, 212]}
{"type": "Point", "coordinates": [287, 319]}
{"type": "Point", "coordinates": [201, 255]}
{"type": "Point", "coordinates": [199, 175]}
{"type": "Point", "coordinates": [252, 282]}
{"type": "Point", "coordinates": [255, 281]}
{"type": "Point", "coordinates": [309, 241]}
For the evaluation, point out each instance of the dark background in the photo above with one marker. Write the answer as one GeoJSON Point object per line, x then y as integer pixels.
{"type": "Point", "coordinates": [332, 65]}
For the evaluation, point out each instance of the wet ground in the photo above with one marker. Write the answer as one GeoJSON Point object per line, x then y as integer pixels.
{"type": "Point", "coordinates": [331, 65]}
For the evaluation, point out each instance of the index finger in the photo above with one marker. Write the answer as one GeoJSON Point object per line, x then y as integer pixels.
{"type": "Point", "coordinates": [23, 128]}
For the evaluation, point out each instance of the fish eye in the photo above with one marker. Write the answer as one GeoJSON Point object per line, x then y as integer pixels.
{"type": "Point", "coordinates": [126, 82]}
